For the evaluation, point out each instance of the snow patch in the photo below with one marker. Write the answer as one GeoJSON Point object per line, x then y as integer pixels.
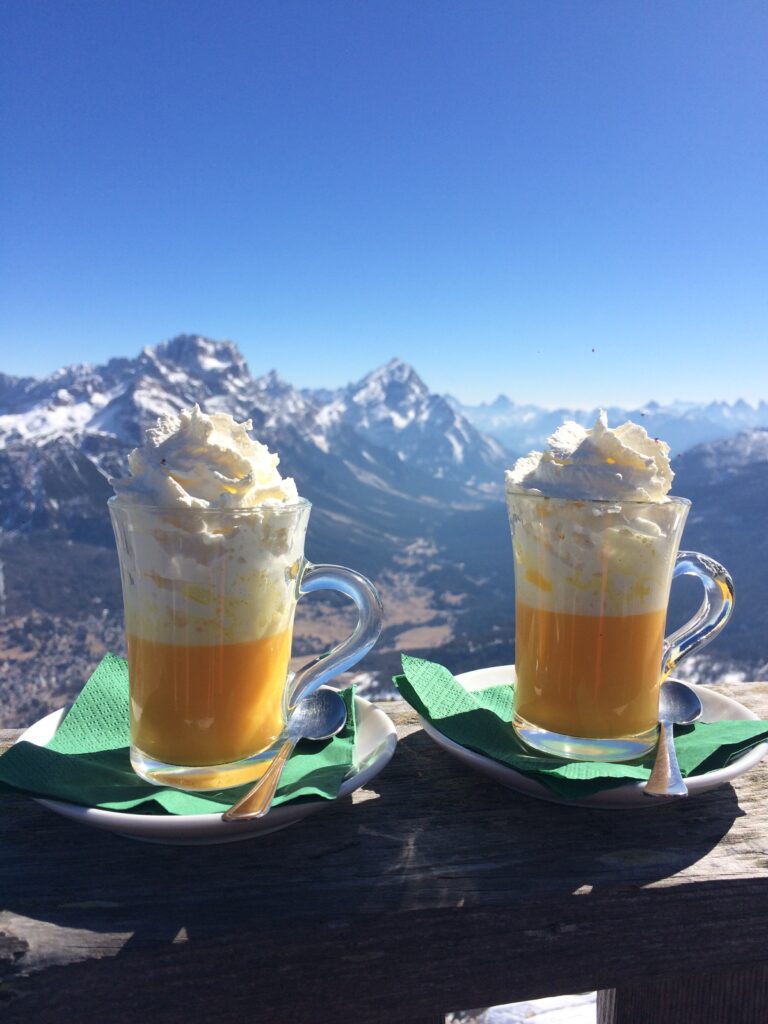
{"type": "Point", "coordinates": [458, 450]}
{"type": "Point", "coordinates": [45, 422]}
{"type": "Point", "coordinates": [210, 363]}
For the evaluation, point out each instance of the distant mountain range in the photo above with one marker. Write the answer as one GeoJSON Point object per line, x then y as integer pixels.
{"type": "Point", "coordinates": [524, 428]}
{"type": "Point", "coordinates": [405, 487]}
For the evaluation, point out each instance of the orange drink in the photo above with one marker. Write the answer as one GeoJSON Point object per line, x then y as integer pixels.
{"type": "Point", "coordinates": [207, 704]}
{"type": "Point", "coordinates": [588, 675]}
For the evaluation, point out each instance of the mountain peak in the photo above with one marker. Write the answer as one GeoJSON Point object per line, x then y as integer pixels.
{"type": "Point", "coordinates": [501, 403]}
{"type": "Point", "coordinates": [395, 383]}
{"type": "Point", "coordinates": [199, 355]}
{"type": "Point", "coordinates": [396, 363]}
{"type": "Point", "coordinates": [272, 381]}
{"type": "Point", "coordinates": [397, 369]}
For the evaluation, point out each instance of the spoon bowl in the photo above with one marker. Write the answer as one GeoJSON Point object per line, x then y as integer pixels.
{"type": "Point", "coordinates": [678, 705]}
{"type": "Point", "coordinates": [319, 716]}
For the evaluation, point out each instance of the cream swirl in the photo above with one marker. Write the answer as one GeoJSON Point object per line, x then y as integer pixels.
{"type": "Point", "coordinates": [592, 521]}
{"type": "Point", "coordinates": [196, 460]}
{"type": "Point", "coordinates": [215, 533]}
{"type": "Point", "coordinates": [599, 463]}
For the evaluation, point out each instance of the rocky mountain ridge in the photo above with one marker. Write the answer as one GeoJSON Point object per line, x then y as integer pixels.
{"type": "Point", "coordinates": [390, 408]}
{"type": "Point", "coordinates": [385, 445]}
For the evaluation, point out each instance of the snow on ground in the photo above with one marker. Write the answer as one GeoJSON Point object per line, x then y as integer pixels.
{"type": "Point", "coordinates": [552, 1010]}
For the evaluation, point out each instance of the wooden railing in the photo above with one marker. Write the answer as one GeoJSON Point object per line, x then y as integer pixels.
{"type": "Point", "coordinates": [434, 890]}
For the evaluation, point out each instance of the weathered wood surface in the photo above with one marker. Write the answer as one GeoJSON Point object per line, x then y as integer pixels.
{"type": "Point", "coordinates": [435, 889]}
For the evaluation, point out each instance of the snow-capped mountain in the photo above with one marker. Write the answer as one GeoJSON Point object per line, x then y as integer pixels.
{"type": "Point", "coordinates": [522, 428]}
{"type": "Point", "coordinates": [393, 408]}
{"type": "Point", "coordinates": [719, 462]}
{"type": "Point", "coordinates": [385, 440]}
{"type": "Point", "coordinates": [122, 397]}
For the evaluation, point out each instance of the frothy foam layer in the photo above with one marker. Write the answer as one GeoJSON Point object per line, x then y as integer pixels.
{"type": "Point", "coordinates": [590, 558]}
{"type": "Point", "coordinates": [214, 536]}
{"type": "Point", "coordinates": [592, 522]}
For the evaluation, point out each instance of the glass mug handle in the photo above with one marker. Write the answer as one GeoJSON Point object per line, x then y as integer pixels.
{"type": "Point", "coordinates": [713, 614]}
{"type": "Point", "coordinates": [365, 634]}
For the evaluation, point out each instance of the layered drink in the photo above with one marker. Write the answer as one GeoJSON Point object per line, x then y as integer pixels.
{"type": "Point", "coordinates": [595, 538]}
{"type": "Point", "coordinates": [211, 539]}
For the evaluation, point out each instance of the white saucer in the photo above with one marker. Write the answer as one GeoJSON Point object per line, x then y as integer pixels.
{"type": "Point", "coordinates": [375, 743]}
{"type": "Point", "coordinates": [716, 708]}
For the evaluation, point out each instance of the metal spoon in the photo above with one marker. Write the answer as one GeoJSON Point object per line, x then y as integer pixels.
{"type": "Point", "coordinates": [678, 705]}
{"type": "Point", "coordinates": [318, 717]}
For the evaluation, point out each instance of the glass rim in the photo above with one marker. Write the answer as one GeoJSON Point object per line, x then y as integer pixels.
{"type": "Point", "coordinates": [285, 508]}
{"type": "Point", "coordinates": [669, 499]}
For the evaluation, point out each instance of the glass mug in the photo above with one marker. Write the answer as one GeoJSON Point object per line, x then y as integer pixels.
{"type": "Point", "coordinates": [592, 583]}
{"type": "Point", "coordinates": [209, 598]}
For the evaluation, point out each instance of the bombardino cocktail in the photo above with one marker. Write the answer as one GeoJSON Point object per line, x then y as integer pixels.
{"type": "Point", "coordinates": [595, 540]}
{"type": "Point", "coordinates": [211, 545]}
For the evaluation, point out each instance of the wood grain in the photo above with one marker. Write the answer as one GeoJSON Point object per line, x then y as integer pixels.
{"type": "Point", "coordinates": [433, 890]}
{"type": "Point", "coordinates": [722, 997]}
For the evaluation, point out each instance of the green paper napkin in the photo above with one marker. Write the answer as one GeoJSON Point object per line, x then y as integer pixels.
{"type": "Point", "coordinates": [481, 721]}
{"type": "Point", "coordinates": [87, 761]}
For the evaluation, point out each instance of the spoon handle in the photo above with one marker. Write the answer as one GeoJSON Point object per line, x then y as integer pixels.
{"type": "Point", "coordinates": [259, 797]}
{"type": "Point", "coordinates": [665, 779]}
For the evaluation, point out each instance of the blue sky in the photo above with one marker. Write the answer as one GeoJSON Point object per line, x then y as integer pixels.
{"type": "Point", "coordinates": [563, 201]}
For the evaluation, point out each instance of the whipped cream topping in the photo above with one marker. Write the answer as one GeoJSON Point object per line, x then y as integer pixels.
{"type": "Point", "coordinates": [599, 463]}
{"type": "Point", "coordinates": [196, 460]}
{"type": "Point", "coordinates": [594, 531]}
{"type": "Point", "coordinates": [211, 536]}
